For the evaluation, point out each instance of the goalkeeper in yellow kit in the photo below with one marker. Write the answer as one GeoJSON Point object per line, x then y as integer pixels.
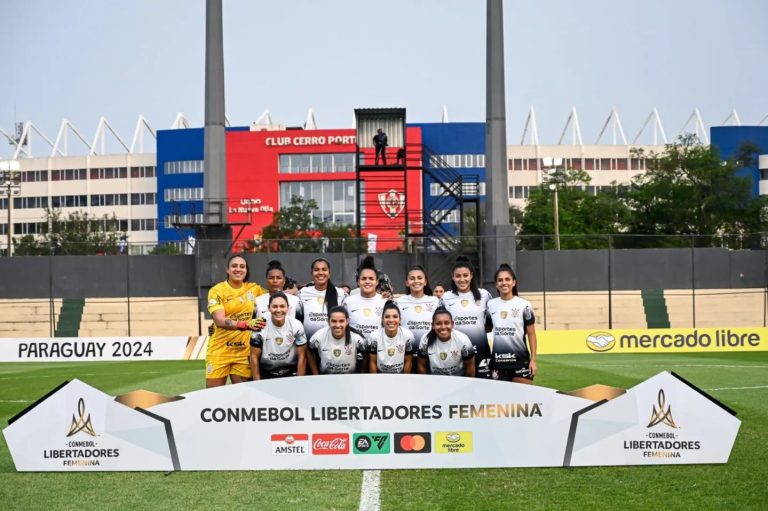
{"type": "Point", "coordinates": [231, 304]}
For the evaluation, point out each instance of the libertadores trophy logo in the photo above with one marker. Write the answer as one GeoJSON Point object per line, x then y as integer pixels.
{"type": "Point", "coordinates": [392, 203]}
{"type": "Point", "coordinates": [662, 416]}
{"type": "Point", "coordinates": [81, 423]}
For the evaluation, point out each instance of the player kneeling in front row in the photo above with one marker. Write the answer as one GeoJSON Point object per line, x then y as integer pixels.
{"type": "Point", "coordinates": [444, 350]}
{"type": "Point", "coordinates": [280, 348]}
{"type": "Point", "coordinates": [390, 347]}
{"type": "Point", "coordinates": [337, 348]}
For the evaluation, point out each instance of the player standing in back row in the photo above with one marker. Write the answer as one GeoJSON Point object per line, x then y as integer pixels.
{"type": "Point", "coordinates": [513, 322]}
{"type": "Point", "coordinates": [468, 306]}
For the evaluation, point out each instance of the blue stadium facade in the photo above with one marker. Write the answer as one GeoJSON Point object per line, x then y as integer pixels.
{"type": "Point", "coordinates": [459, 146]}
{"type": "Point", "coordinates": [728, 140]}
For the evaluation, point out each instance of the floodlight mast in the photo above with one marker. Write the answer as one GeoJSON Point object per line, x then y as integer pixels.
{"type": "Point", "coordinates": [215, 176]}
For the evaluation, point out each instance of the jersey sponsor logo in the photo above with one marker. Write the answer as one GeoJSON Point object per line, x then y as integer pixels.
{"type": "Point", "coordinates": [413, 443]}
{"type": "Point", "coordinates": [214, 301]}
{"type": "Point", "coordinates": [330, 443]}
{"type": "Point", "coordinates": [601, 341]}
{"type": "Point", "coordinates": [235, 344]}
{"type": "Point", "coordinates": [453, 442]}
{"type": "Point", "coordinates": [371, 443]}
{"type": "Point", "coordinates": [290, 445]}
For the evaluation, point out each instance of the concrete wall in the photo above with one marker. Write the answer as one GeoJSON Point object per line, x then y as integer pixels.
{"type": "Point", "coordinates": [568, 270]}
{"type": "Point", "coordinates": [97, 276]}
{"type": "Point", "coordinates": [592, 270]}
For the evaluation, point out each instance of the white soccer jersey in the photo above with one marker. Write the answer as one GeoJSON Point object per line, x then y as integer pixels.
{"type": "Point", "coordinates": [365, 313]}
{"type": "Point", "coordinates": [416, 313]}
{"type": "Point", "coordinates": [468, 313]}
{"type": "Point", "coordinates": [391, 351]}
{"type": "Point", "coordinates": [447, 357]}
{"type": "Point", "coordinates": [262, 305]}
{"type": "Point", "coordinates": [278, 346]}
{"type": "Point", "coordinates": [333, 355]}
{"type": "Point", "coordinates": [314, 308]}
{"type": "Point", "coordinates": [510, 317]}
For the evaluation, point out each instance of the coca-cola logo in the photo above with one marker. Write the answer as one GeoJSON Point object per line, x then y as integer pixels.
{"type": "Point", "coordinates": [330, 443]}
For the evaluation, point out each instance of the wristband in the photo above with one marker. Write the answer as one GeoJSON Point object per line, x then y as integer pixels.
{"type": "Point", "coordinates": [242, 325]}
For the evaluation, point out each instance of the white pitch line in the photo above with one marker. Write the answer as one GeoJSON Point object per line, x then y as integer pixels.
{"type": "Point", "coordinates": [15, 401]}
{"type": "Point", "coordinates": [79, 375]}
{"type": "Point", "coordinates": [661, 364]}
{"type": "Point", "coordinates": [370, 491]}
{"type": "Point", "coordinates": [740, 388]}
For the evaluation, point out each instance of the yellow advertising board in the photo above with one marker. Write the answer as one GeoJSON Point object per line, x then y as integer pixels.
{"type": "Point", "coordinates": [657, 340]}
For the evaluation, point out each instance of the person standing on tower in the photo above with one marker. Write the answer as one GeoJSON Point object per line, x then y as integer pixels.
{"type": "Point", "coordinates": [380, 143]}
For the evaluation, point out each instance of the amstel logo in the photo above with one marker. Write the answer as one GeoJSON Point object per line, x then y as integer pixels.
{"type": "Point", "coordinates": [81, 423]}
{"type": "Point", "coordinates": [601, 341]}
{"type": "Point", "coordinates": [661, 416]}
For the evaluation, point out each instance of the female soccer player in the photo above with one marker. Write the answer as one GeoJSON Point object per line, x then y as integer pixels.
{"type": "Point", "coordinates": [366, 306]}
{"type": "Point", "coordinates": [513, 322]}
{"type": "Point", "coordinates": [276, 282]}
{"type": "Point", "coordinates": [439, 291]}
{"type": "Point", "coordinates": [280, 349]}
{"type": "Point", "coordinates": [231, 304]}
{"type": "Point", "coordinates": [320, 297]}
{"type": "Point", "coordinates": [417, 304]}
{"type": "Point", "coordinates": [468, 306]}
{"type": "Point", "coordinates": [337, 348]}
{"type": "Point", "coordinates": [390, 347]}
{"type": "Point", "coordinates": [445, 350]}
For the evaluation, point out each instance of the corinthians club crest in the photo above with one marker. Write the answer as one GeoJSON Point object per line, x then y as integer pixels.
{"type": "Point", "coordinates": [392, 203]}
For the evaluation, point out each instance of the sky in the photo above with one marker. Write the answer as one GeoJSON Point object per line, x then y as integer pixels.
{"type": "Point", "coordinates": [84, 59]}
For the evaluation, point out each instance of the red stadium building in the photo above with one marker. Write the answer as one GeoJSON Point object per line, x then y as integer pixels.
{"type": "Point", "coordinates": [266, 168]}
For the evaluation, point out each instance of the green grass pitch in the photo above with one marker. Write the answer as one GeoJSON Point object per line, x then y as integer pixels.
{"type": "Point", "coordinates": [740, 380]}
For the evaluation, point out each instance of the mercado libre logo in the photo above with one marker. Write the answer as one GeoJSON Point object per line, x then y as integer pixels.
{"type": "Point", "coordinates": [453, 442]}
{"type": "Point", "coordinates": [370, 443]}
{"type": "Point", "coordinates": [81, 422]}
{"type": "Point", "coordinates": [413, 443]}
{"type": "Point", "coordinates": [601, 341]}
{"type": "Point", "coordinates": [661, 415]}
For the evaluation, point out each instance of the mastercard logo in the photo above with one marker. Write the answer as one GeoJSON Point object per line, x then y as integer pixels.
{"type": "Point", "coordinates": [413, 443]}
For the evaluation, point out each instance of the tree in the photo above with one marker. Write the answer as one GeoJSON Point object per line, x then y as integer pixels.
{"type": "Point", "coordinates": [294, 229]}
{"type": "Point", "coordinates": [78, 234]}
{"type": "Point", "coordinates": [688, 190]}
{"type": "Point", "coordinates": [585, 219]}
